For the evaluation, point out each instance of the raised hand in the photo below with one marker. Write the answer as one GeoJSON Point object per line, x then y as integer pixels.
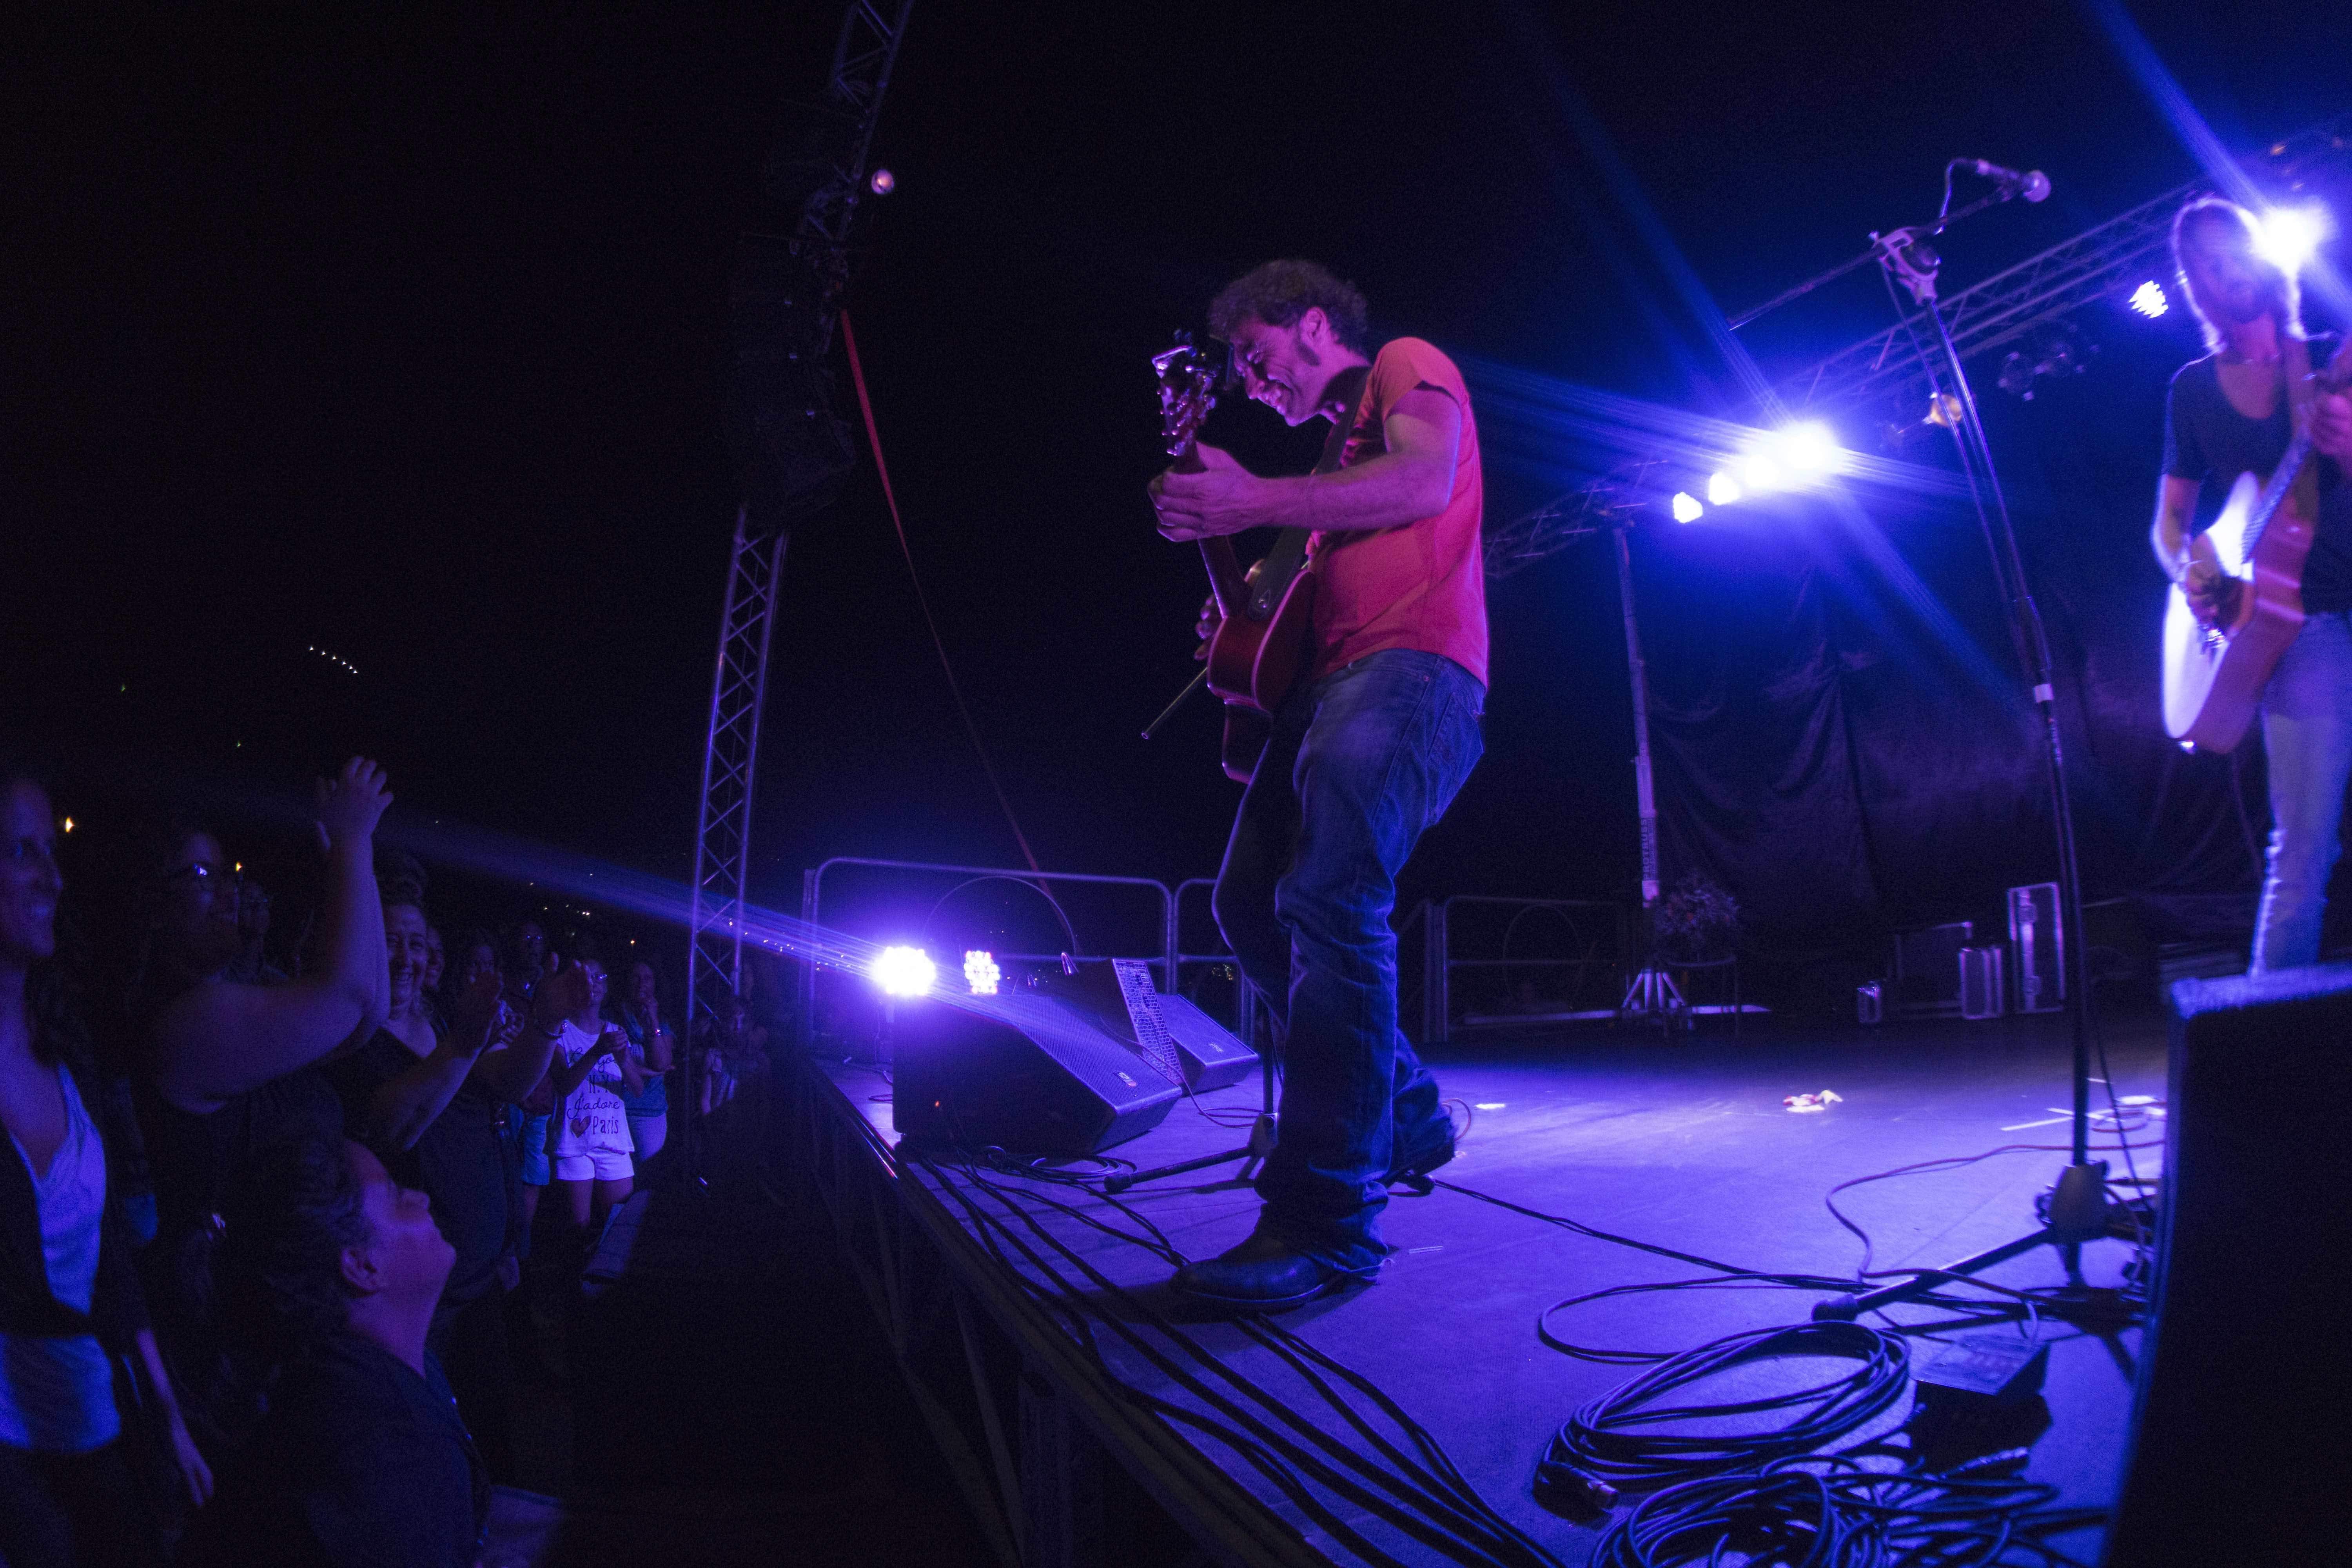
{"type": "Point", "coordinates": [476, 1015]}
{"type": "Point", "coordinates": [350, 806]}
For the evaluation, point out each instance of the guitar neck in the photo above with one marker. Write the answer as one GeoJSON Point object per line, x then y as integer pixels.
{"type": "Point", "coordinates": [2298, 451]}
{"type": "Point", "coordinates": [2274, 494]}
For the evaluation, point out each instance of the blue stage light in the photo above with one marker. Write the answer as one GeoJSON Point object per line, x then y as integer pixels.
{"type": "Point", "coordinates": [2149, 299]}
{"type": "Point", "coordinates": [980, 973]}
{"type": "Point", "coordinates": [2285, 236]}
{"type": "Point", "coordinates": [1810, 448]}
{"type": "Point", "coordinates": [1687, 507]}
{"type": "Point", "coordinates": [903, 971]}
{"type": "Point", "coordinates": [1722, 490]}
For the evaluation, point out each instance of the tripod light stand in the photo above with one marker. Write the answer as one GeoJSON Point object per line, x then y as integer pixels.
{"type": "Point", "coordinates": [1652, 991]}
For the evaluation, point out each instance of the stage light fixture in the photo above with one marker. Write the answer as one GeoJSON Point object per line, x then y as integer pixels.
{"type": "Point", "coordinates": [980, 973]}
{"type": "Point", "coordinates": [1722, 490]}
{"type": "Point", "coordinates": [1687, 507]}
{"type": "Point", "coordinates": [1810, 448]}
{"type": "Point", "coordinates": [2149, 299]}
{"type": "Point", "coordinates": [883, 183]}
{"type": "Point", "coordinates": [903, 971]}
{"type": "Point", "coordinates": [2285, 236]}
{"type": "Point", "coordinates": [1760, 473]}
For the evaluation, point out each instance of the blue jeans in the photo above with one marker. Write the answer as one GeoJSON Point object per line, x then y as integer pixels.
{"type": "Point", "coordinates": [1360, 764]}
{"type": "Point", "coordinates": [2307, 732]}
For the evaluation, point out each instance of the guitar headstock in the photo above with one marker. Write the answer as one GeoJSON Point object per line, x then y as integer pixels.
{"type": "Point", "coordinates": [1191, 376]}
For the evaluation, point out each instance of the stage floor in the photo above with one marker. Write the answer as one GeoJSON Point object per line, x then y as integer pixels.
{"type": "Point", "coordinates": [1684, 1145]}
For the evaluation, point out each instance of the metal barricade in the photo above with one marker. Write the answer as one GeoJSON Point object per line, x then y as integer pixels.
{"type": "Point", "coordinates": [1244, 994]}
{"type": "Point", "coordinates": [1439, 963]}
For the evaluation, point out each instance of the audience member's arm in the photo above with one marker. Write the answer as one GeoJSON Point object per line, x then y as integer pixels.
{"type": "Point", "coordinates": [633, 1072]}
{"type": "Point", "coordinates": [569, 1076]}
{"type": "Point", "coordinates": [402, 1107]}
{"type": "Point", "coordinates": [216, 1041]}
{"type": "Point", "coordinates": [511, 1070]}
{"type": "Point", "coordinates": [661, 1047]}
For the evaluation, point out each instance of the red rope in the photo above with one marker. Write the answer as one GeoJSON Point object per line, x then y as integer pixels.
{"type": "Point", "coordinates": [874, 438]}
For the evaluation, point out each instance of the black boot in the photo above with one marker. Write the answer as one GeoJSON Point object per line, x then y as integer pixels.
{"type": "Point", "coordinates": [1262, 1275]}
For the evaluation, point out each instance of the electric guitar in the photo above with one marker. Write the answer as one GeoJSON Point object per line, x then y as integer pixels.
{"type": "Point", "coordinates": [2214, 672]}
{"type": "Point", "coordinates": [1263, 644]}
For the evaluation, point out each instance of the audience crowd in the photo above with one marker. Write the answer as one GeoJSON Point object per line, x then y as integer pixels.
{"type": "Point", "coordinates": [270, 1190]}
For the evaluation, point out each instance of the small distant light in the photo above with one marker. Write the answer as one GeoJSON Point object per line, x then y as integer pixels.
{"type": "Point", "coordinates": [883, 182]}
{"type": "Point", "coordinates": [2285, 236]}
{"type": "Point", "coordinates": [2148, 299]}
{"type": "Point", "coordinates": [1687, 508]}
{"type": "Point", "coordinates": [903, 971]}
{"type": "Point", "coordinates": [1490, 1105]}
{"type": "Point", "coordinates": [68, 825]}
{"type": "Point", "coordinates": [980, 972]}
{"type": "Point", "coordinates": [1722, 490]}
{"type": "Point", "coordinates": [238, 868]}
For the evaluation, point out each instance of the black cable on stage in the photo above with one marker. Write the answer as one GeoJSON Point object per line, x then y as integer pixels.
{"type": "Point", "coordinates": [1421, 1490]}
{"type": "Point", "coordinates": [1426, 1499]}
{"type": "Point", "coordinates": [1606, 1447]}
{"type": "Point", "coordinates": [1268, 1452]}
{"type": "Point", "coordinates": [1833, 1512]}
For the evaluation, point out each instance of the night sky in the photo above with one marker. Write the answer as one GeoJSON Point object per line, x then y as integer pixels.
{"type": "Point", "coordinates": [395, 333]}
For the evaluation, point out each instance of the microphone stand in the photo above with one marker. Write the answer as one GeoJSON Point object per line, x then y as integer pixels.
{"type": "Point", "coordinates": [2077, 1208]}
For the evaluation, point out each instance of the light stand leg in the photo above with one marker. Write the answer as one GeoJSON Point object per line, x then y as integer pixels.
{"type": "Point", "coordinates": [1652, 994]}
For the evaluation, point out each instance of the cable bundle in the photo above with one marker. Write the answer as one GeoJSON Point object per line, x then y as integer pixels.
{"type": "Point", "coordinates": [1602, 1448]}
{"type": "Point", "coordinates": [1830, 1512]}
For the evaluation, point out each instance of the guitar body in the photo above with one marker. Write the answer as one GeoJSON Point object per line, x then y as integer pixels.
{"type": "Point", "coordinates": [2214, 675]}
{"type": "Point", "coordinates": [1254, 665]}
{"type": "Point", "coordinates": [1265, 636]}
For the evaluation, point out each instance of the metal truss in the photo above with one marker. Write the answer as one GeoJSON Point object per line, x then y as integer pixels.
{"type": "Point", "coordinates": [862, 58]}
{"type": "Point", "coordinates": [723, 835]}
{"type": "Point", "coordinates": [1886, 367]}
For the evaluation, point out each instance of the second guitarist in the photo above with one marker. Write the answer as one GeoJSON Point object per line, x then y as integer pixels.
{"type": "Point", "coordinates": [1366, 754]}
{"type": "Point", "coordinates": [2230, 413]}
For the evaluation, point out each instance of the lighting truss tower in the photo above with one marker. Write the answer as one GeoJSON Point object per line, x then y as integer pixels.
{"type": "Point", "coordinates": [722, 831]}
{"type": "Point", "coordinates": [1887, 367]}
{"type": "Point", "coordinates": [863, 56]}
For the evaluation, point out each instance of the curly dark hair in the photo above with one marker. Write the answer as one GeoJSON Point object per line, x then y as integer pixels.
{"type": "Point", "coordinates": [277, 1269]}
{"type": "Point", "coordinates": [1279, 292]}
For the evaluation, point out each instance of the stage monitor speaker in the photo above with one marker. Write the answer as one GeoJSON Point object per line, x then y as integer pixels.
{"type": "Point", "coordinates": [1027, 1072]}
{"type": "Point", "coordinates": [2241, 1446]}
{"type": "Point", "coordinates": [1209, 1055]}
{"type": "Point", "coordinates": [1212, 1055]}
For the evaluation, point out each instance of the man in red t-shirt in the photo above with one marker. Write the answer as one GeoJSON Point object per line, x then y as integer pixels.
{"type": "Point", "coordinates": [1366, 755]}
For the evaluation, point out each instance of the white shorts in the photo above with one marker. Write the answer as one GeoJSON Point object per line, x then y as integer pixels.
{"type": "Point", "coordinates": [601, 1164]}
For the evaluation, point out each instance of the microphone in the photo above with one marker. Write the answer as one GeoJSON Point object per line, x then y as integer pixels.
{"type": "Point", "coordinates": [2033, 185]}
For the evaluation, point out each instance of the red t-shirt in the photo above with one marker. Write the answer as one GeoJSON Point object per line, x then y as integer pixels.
{"type": "Point", "coordinates": [1422, 585]}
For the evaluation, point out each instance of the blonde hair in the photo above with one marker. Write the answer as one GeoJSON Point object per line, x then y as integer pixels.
{"type": "Point", "coordinates": [2285, 298]}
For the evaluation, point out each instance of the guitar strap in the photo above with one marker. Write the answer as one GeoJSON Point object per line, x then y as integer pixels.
{"type": "Point", "coordinates": [2296, 360]}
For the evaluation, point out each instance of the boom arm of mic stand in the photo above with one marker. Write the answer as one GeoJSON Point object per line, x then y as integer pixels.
{"type": "Point", "coordinates": [1871, 255]}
